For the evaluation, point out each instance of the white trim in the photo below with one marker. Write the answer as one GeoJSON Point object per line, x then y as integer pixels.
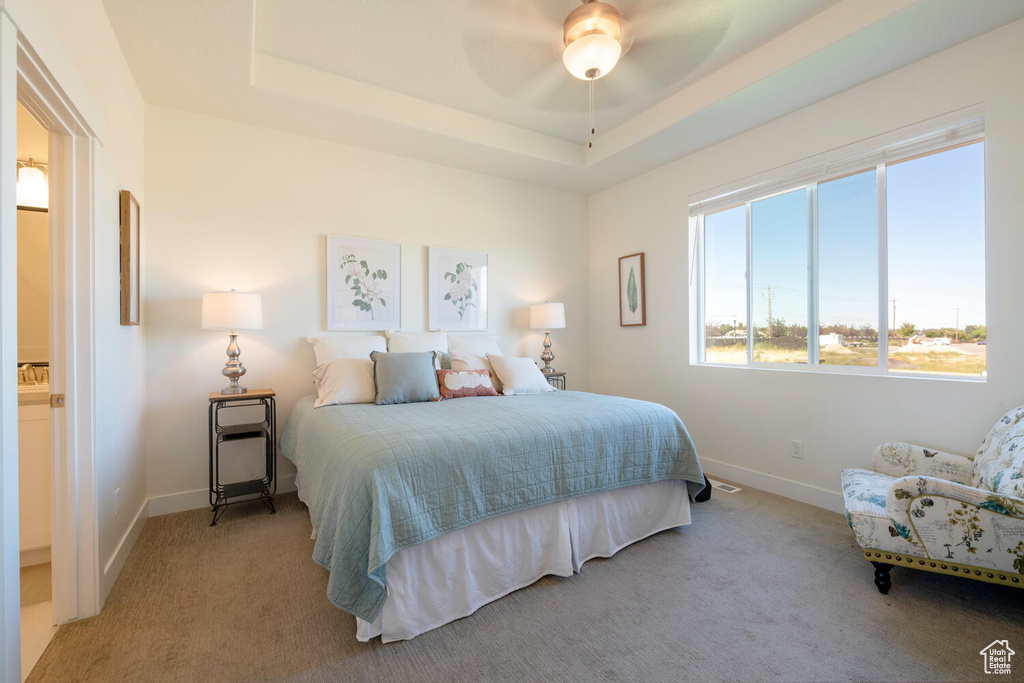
{"type": "Point", "coordinates": [120, 555]}
{"type": "Point", "coordinates": [933, 134]}
{"type": "Point", "coordinates": [794, 490]}
{"type": "Point", "coordinates": [197, 499]}
{"type": "Point", "coordinates": [10, 575]}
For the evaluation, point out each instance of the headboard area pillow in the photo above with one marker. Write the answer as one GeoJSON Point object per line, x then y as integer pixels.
{"type": "Point", "coordinates": [464, 383]}
{"type": "Point", "coordinates": [404, 377]}
{"type": "Point", "coordinates": [343, 381]}
{"type": "Point", "coordinates": [328, 349]}
{"type": "Point", "coordinates": [519, 375]}
{"type": "Point", "coordinates": [416, 342]}
{"type": "Point", "coordinates": [469, 352]}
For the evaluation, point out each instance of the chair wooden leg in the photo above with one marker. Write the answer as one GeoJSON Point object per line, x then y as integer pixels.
{"type": "Point", "coordinates": [882, 579]}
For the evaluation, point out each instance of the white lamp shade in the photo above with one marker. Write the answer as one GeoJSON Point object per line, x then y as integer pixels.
{"type": "Point", "coordinates": [232, 311]}
{"type": "Point", "coordinates": [547, 316]}
{"type": "Point", "coordinates": [592, 51]}
{"type": "Point", "coordinates": [32, 190]}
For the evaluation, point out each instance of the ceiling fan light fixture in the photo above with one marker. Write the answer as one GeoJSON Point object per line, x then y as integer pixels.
{"type": "Point", "coordinates": [592, 56]}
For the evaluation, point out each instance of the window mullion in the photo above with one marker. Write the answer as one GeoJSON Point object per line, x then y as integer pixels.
{"type": "Point", "coordinates": [750, 285]}
{"type": "Point", "coordinates": [701, 290]}
{"type": "Point", "coordinates": [812, 275]}
{"type": "Point", "coordinates": [883, 273]}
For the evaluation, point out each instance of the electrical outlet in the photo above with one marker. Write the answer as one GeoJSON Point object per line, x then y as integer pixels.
{"type": "Point", "coordinates": [117, 502]}
{"type": "Point", "coordinates": [796, 448]}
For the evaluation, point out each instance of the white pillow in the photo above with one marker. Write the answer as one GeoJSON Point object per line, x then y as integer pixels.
{"type": "Point", "coordinates": [347, 380]}
{"type": "Point", "coordinates": [335, 348]}
{"type": "Point", "coordinates": [519, 375]}
{"type": "Point", "coordinates": [462, 361]}
{"type": "Point", "coordinates": [477, 344]}
{"type": "Point", "coordinates": [418, 342]}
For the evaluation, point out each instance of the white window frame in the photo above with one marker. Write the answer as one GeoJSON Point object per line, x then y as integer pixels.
{"type": "Point", "coordinates": [963, 127]}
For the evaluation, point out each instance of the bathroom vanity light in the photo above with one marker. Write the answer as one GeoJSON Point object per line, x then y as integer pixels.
{"type": "Point", "coordinates": [33, 192]}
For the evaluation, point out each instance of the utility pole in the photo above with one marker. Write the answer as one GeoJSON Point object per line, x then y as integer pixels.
{"type": "Point", "coordinates": [892, 329]}
{"type": "Point", "coordinates": [767, 293]}
{"type": "Point", "coordinates": [957, 328]}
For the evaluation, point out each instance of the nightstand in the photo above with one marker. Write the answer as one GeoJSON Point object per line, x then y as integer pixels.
{"type": "Point", "coordinates": [260, 405]}
{"type": "Point", "coordinates": [556, 379]}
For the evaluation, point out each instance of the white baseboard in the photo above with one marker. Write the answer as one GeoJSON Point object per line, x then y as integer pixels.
{"type": "Point", "coordinates": [33, 556]}
{"type": "Point", "coordinates": [120, 556]}
{"type": "Point", "coordinates": [200, 498]}
{"type": "Point", "coordinates": [805, 493]}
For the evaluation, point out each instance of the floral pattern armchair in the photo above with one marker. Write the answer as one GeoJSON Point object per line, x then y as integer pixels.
{"type": "Point", "coordinates": [943, 512]}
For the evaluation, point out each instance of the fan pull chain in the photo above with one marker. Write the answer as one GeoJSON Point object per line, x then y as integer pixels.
{"type": "Point", "coordinates": [590, 140]}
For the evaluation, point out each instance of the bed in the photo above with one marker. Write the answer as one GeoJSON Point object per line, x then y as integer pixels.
{"type": "Point", "coordinates": [423, 512]}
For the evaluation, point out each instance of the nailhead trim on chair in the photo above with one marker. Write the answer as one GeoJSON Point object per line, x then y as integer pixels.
{"type": "Point", "coordinates": [930, 566]}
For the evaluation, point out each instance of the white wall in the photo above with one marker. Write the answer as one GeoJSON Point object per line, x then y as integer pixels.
{"type": "Point", "coordinates": [75, 40]}
{"type": "Point", "coordinates": [33, 287]}
{"type": "Point", "coordinates": [743, 419]}
{"type": "Point", "coordinates": [233, 205]}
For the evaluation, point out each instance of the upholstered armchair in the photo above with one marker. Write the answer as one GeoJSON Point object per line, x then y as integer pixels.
{"type": "Point", "coordinates": [941, 512]}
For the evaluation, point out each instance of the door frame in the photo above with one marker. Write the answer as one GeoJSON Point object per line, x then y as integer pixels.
{"type": "Point", "coordinates": [75, 540]}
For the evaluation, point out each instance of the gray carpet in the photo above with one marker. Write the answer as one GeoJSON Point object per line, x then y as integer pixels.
{"type": "Point", "coordinates": [758, 588]}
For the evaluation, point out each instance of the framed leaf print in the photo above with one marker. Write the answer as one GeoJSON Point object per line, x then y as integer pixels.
{"type": "Point", "coordinates": [364, 280]}
{"type": "Point", "coordinates": [131, 302]}
{"type": "Point", "coordinates": [632, 295]}
{"type": "Point", "coordinates": [457, 291]}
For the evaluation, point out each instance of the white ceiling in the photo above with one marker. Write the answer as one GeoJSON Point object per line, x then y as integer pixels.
{"type": "Point", "coordinates": [479, 84]}
{"type": "Point", "coordinates": [502, 59]}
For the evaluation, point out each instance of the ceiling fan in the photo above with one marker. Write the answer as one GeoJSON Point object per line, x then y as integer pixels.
{"type": "Point", "coordinates": [594, 34]}
{"type": "Point", "coordinates": [514, 47]}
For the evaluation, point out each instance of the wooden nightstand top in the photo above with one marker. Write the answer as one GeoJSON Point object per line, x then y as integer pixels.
{"type": "Point", "coordinates": [252, 393]}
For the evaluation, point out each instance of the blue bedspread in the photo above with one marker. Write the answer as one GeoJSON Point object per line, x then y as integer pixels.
{"type": "Point", "coordinates": [378, 479]}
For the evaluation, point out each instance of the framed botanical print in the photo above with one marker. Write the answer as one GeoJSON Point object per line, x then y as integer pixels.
{"type": "Point", "coordinates": [632, 295]}
{"type": "Point", "coordinates": [364, 284]}
{"type": "Point", "coordinates": [457, 289]}
{"type": "Point", "coordinates": [130, 225]}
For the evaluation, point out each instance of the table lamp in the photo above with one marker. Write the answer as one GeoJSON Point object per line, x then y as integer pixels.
{"type": "Point", "coordinates": [547, 317]}
{"type": "Point", "coordinates": [232, 311]}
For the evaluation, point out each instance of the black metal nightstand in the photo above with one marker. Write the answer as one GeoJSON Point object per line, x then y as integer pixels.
{"type": "Point", "coordinates": [556, 379]}
{"type": "Point", "coordinates": [222, 495]}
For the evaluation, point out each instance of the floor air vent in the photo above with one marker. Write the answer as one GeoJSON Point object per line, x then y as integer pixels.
{"type": "Point", "coordinates": [725, 488]}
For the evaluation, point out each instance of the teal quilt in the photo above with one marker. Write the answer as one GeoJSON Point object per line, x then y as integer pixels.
{"type": "Point", "coordinates": [378, 479]}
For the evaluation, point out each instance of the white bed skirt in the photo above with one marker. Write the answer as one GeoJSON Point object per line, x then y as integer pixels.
{"type": "Point", "coordinates": [452, 576]}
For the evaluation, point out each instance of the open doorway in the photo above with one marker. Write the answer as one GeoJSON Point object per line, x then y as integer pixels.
{"type": "Point", "coordinates": [35, 444]}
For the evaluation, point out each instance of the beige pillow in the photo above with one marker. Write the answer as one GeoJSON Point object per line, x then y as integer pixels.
{"type": "Point", "coordinates": [418, 342]}
{"type": "Point", "coordinates": [360, 346]}
{"type": "Point", "coordinates": [519, 375]}
{"type": "Point", "coordinates": [347, 380]}
{"type": "Point", "coordinates": [462, 361]}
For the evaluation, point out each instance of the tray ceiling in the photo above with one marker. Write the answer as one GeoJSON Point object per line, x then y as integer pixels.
{"type": "Point", "coordinates": [479, 84]}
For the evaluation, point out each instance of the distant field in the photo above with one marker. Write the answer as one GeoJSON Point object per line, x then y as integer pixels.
{"type": "Point", "coordinates": [963, 359]}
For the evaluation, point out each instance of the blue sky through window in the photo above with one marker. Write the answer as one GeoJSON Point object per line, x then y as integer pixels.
{"type": "Point", "coordinates": [936, 248]}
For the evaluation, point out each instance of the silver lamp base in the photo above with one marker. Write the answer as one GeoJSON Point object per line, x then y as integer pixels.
{"type": "Point", "coordinates": [233, 369]}
{"type": "Point", "coordinates": [547, 356]}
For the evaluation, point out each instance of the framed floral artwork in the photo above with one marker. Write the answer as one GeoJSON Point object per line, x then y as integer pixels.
{"type": "Point", "coordinates": [632, 294]}
{"type": "Point", "coordinates": [457, 291]}
{"type": "Point", "coordinates": [364, 284]}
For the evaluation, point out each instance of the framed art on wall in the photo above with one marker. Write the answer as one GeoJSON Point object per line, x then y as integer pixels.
{"type": "Point", "coordinates": [364, 279]}
{"type": "Point", "coordinates": [632, 295]}
{"type": "Point", "coordinates": [457, 289]}
{"type": "Point", "coordinates": [130, 226]}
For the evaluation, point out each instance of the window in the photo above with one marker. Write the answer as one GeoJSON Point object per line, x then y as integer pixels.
{"type": "Point", "coordinates": [882, 252]}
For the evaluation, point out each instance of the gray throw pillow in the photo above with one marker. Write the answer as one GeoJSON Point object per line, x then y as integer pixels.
{"type": "Point", "coordinates": [404, 377]}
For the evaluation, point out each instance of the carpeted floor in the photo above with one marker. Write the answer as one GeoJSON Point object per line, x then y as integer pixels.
{"type": "Point", "coordinates": [758, 588]}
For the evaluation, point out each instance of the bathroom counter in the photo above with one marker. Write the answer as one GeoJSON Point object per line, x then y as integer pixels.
{"type": "Point", "coordinates": [29, 394]}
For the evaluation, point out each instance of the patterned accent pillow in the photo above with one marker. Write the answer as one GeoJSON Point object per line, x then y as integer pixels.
{"type": "Point", "coordinates": [463, 383]}
{"type": "Point", "coordinates": [999, 464]}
